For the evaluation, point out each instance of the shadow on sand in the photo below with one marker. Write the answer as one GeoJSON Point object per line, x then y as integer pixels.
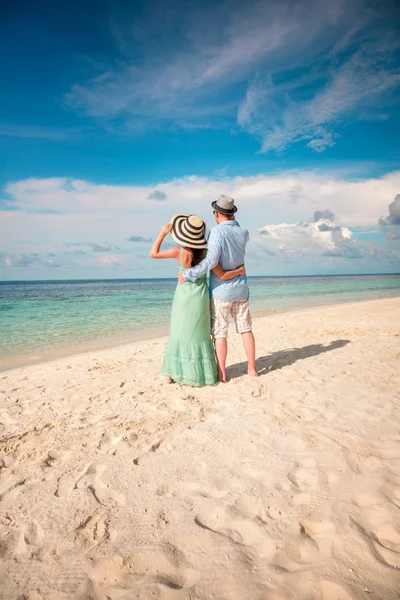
{"type": "Point", "coordinates": [283, 358]}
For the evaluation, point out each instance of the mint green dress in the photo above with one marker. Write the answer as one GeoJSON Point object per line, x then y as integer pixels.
{"type": "Point", "coordinates": [189, 356]}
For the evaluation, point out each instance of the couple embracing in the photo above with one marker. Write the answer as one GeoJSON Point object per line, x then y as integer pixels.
{"type": "Point", "coordinates": [190, 355]}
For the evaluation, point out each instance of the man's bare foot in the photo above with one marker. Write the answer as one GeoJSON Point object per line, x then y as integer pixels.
{"type": "Point", "coordinates": [221, 377]}
{"type": "Point", "coordinates": [252, 372]}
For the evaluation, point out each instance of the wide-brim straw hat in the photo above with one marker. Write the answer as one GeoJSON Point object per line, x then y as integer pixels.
{"type": "Point", "coordinates": [189, 230]}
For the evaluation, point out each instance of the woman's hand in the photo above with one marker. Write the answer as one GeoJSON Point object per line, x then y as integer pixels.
{"type": "Point", "coordinates": [165, 230]}
{"type": "Point", "coordinates": [242, 270]}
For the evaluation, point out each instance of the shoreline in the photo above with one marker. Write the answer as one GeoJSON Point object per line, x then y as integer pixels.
{"type": "Point", "coordinates": [143, 335]}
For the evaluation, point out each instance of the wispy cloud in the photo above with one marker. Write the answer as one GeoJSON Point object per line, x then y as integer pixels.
{"type": "Point", "coordinates": [187, 70]}
{"type": "Point", "coordinates": [352, 90]}
{"type": "Point", "coordinates": [36, 132]}
{"type": "Point", "coordinates": [286, 72]}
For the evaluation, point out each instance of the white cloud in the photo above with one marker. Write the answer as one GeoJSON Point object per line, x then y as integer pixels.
{"type": "Point", "coordinates": [96, 212]}
{"type": "Point", "coordinates": [318, 238]}
{"type": "Point", "coordinates": [110, 260]}
{"type": "Point", "coordinates": [85, 208]}
{"type": "Point", "coordinates": [393, 234]}
{"type": "Point", "coordinates": [28, 260]}
{"type": "Point", "coordinates": [322, 243]}
{"type": "Point", "coordinates": [393, 217]}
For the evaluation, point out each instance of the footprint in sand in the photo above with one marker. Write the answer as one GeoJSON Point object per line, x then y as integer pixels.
{"type": "Point", "coordinates": [94, 530]}
{"type": "Point", "coordinates": [145, 450]}
{"type": "Point", "coordinates": [244, 532]}
{"type": "Point", "coordinates": [392, 492]}
{"type": "Point", "coordinates": [194, 489]}
{"type": "Point", "coordinates": [11, 485]}
{"type": "Point", "coordinates": [33, 534]}
{"type": "Point", "coordinates": [88, 476]}
{"type": "Point", "coordinates": [310, 547]}
{"type": "Point", "coordinates": [108, 578]}
{"type": "Point", "coordinates": [278, 523]}
{"type": "Point", "coordinates": [381, 535]}
{"type": "Point", "coordinates": [389, 449]}
{"type": "Point", "coordinates": [252, 507]}
{"type": "Point", "coordinates": [33, 595]}
{"type": "Point", "coordinates": [363, 499]}
{"type": "Point", "coordinates": [109, 441]}
{"type": "Point", "coordinates": [8, 423]}
{"type": "Point", "coordinates": [165, 566]}
{"type": "Point", "coordinates": [69, 481]}
{"type": "Point", "coordinates": [306, 476]}
{"type": "Point", "coordinates": [100, 490]}
{"type": "Point", "coordinates": [388, 537]}
{"type": "Point", "coordinates": [23, 540]}
{"type": "Point", "coordinates": [105, 495]}
{"type": "Point", "coordinates": [333, 591]}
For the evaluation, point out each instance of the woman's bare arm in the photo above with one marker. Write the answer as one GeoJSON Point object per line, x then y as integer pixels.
{"type": "Point", "coordinates": [155, 251]}
{"type": "Point", "coordinates": [226, 275]}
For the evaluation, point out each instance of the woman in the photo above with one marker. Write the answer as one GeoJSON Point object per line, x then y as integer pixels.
{"type": "Point", "coordinates": [189, 356]}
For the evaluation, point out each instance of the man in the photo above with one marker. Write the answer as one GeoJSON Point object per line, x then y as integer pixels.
{"type": "Point", "coordinates": [227, 246]}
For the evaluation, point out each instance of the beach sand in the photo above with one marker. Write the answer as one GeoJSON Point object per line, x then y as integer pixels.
{"type": "Point", "coordinates": [114, 485]}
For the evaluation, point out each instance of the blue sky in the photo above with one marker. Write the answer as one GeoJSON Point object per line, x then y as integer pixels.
{"type": "Point", "coordinates": [115, 115]}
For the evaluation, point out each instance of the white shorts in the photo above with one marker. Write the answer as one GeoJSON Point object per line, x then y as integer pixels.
{"type": "Point", "coordinates": [220, 311]}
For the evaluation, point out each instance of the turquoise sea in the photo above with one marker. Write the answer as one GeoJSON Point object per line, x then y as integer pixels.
{"type": "Point", "coordinates": [37, 318]}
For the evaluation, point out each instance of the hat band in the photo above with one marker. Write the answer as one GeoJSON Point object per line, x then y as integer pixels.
{"type": "Point", "coordinates": [226, 210]}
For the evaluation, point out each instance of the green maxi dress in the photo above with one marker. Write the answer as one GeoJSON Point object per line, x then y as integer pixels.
{"type": "Point", "coordinates": [189, 356]}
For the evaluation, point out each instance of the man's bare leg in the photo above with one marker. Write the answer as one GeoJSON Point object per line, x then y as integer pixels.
{"type": "Point", "coordinates": [221, 349]}
{"type": "Point", "coordinates": [250, 349]}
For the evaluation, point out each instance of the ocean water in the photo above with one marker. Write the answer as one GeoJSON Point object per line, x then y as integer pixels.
{"type": "Point", "coordinates": [38, 317]}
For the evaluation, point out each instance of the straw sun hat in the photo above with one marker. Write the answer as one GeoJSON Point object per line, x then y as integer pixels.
{"type": "Point", "coordinates": [189, 230]}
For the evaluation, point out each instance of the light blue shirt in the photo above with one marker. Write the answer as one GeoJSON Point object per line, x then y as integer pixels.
{"type": "Point", "coordinates": [227, 246]}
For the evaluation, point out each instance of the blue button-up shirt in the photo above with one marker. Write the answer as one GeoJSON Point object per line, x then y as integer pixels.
{"type": "Point", "coordinates": [227, 246]}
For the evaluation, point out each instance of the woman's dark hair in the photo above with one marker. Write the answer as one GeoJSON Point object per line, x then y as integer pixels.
{"type": "Point", "coordinates": [198, 255]}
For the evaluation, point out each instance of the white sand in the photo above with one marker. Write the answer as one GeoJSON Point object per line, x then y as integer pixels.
{"type": "Point", "coordinates": [116, 486]}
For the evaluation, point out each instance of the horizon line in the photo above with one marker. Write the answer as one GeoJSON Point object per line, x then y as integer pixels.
{"type": "Point", "coordinates": [85, 280]}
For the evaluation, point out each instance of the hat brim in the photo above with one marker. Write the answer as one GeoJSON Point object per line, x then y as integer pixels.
{"type": "Point", "coordinates": [182, 236]}
{"type": "Point", "coordinates": [223, 211]}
